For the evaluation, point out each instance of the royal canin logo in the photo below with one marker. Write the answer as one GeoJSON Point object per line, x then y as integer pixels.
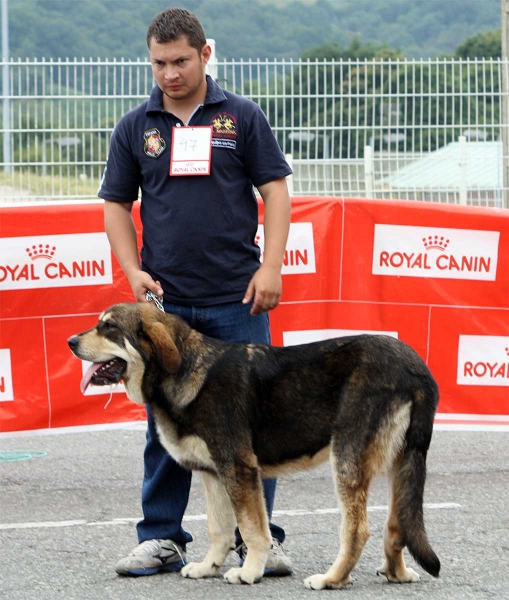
{"type": "Point", "coordinates": [55, 261]}
{"type": "Point", "coordinates": [483, 360]}
{"type": "Point", "coordinates": [299, 254]}
{"type": "Point", "coordinates": [435, 242]}
{"type": "Point", "coordinates": [41, 251]}
{"type": "Point", "coordinates": [410, 251]}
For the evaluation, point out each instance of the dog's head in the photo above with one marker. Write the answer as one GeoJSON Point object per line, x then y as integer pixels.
{"type": "Point", "coordinates": [134, 343]}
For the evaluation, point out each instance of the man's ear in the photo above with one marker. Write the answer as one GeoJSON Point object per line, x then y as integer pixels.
{"type": "Point", "coordinates": [166, 352]}
{"type": "Point", "coordinates": [206, 53]}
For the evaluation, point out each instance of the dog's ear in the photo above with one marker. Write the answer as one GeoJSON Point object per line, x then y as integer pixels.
{"type": "Point", "coordinates": [166, 352]}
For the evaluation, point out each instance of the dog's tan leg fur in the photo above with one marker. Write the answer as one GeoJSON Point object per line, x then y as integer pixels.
{"type": "Point", "coordinates": [394, 567]}
{"type": "Point", "coordinates": [352, 492]}
{"type": "Point", "coordinates": [354, 533]}
{"type": "Point", "coordinates": [221, 525]}
{"type": "Point", "coordinates": [249, 505]}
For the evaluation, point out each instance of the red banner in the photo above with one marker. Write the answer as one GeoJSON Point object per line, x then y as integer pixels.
{"type": "Point", "coordinates": [435, 276]}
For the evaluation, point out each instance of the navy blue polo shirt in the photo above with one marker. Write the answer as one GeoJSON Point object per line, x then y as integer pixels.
{"type": "Point", "coordinates": [198, 231]}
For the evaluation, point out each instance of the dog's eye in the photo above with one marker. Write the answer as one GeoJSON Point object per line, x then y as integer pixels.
{"type": "Point", "coordinates": [109, 325]}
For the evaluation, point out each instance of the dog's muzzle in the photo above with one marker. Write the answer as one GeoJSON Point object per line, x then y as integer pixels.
{"type": "Point", "coordinates": [107, 372]}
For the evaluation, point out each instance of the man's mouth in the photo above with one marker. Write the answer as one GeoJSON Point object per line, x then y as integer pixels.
{"type": "Point", "coordinates": [104, 373]}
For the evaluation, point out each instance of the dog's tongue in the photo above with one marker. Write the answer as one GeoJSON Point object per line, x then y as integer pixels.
{"type": "Point", "coordinates": [88, 375]}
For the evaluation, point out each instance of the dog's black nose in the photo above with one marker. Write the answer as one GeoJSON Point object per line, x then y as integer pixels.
{"type": "Point", "coordinates": [73, 342]}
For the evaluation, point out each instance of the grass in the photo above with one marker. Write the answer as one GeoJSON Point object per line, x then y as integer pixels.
{"type": "Point", "coordinates": [25, 184]}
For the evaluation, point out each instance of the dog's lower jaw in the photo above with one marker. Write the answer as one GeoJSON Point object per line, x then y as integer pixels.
{"type": "Point", "coordinates": [134, 393]}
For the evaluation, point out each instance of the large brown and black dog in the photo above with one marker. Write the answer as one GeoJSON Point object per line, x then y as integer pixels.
{"type": "Point", "coordinates": [241, 412]}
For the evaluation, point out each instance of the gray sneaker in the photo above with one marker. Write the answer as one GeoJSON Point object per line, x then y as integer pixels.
{"type": "Point", "coordinates": [277, 565]}
{"type": "Point", "coordinates": [151, 557]}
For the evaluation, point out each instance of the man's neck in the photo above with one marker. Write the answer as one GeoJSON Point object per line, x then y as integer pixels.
{"type": "Point", "coordinates": [184, 109]}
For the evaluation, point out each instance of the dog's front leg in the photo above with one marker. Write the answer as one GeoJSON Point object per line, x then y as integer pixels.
{"type": "Point", "coordinates": [221, 524]}
{"type": "Point", "coordinates": [248, 502]}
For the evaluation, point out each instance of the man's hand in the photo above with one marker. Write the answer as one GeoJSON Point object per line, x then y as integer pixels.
{"type": "Point", "coordinates": [141, 282]}
{"type": "Point", "coordinates": [265, 288]}
{"type": "Point", "coordinates": [266, 284]}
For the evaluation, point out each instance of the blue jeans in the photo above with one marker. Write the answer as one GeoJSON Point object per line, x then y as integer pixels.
{"type": "Point", "coordinates": [166, 485]}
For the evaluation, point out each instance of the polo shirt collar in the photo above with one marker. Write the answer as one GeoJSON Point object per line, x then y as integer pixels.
{"type": "Point", "coordinates": [214, 95]}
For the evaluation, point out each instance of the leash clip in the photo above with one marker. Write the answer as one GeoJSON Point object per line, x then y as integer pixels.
{"type": "Point", "coordinates": [157, 300]}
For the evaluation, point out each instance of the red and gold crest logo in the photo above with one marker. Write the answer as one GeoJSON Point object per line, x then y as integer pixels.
{"type": "Point", "coordinates": [224, 125]}
{"type": "Point", "coordinates": [154, 144]}
{"type": "Point", "coordinates": [224, 131]}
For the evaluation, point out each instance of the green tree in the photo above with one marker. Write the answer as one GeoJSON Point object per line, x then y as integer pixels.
{"type": "Point", "coordinates": [390, 104]}
{"type": "Point", "coordinates": [248, 29]}
{"type": "Point", "coordinates": [356, 50]}
{"type": "Point", "coordinates": [481, 45]}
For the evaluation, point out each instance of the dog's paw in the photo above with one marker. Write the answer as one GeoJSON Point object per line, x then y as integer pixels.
{"type": "Point", "coordinates": [407, 576]}
{"type": "Point", "coordinates": [240, 575]}
{"type": "Point", "coordinates": [198, 570]}
{"type": "Point", "coordinates": [323, 582]}
{"type": "Point", "coordinates": [402, 576]}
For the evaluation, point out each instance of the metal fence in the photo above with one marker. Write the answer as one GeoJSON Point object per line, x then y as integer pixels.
{"type": "Point", "coordinates": [421, 129]}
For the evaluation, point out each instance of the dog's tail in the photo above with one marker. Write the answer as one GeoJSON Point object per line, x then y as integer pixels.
{"type": "Point", "coordinates": [411, 476]}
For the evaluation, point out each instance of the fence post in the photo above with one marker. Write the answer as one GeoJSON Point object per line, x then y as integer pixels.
{"type": "Point", "coordinates": [463, 169]}
{"type": "Point", "coordinates": [368, 171]}
{"type": "Point", "coordinates": [504, 98]}
{"type": "Point", "coordinates": [6, 90]}
{"type": "Point", "coordinates": [211, 68]}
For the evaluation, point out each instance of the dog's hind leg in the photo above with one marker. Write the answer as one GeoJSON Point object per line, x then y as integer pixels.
{"type": "Point", "coordinates": [394, 567]}
{"type": "Point", "coordinates": [352, 486]}
{"type": "Point", "coordinates": [221, 525]}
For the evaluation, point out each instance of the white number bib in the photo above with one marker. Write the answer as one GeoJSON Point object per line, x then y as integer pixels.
{"type": "Point", "coordinates": [191, 150]}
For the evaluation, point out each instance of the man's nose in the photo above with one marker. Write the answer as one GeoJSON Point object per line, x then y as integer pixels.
{"type": "Point", "coordinates": [170, 73]}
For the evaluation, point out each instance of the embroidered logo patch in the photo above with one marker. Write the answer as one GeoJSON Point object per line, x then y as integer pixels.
{"type": "Point", "coordinates": [224, 131]}
{"type": "Point", "coordinates": [154, 144]}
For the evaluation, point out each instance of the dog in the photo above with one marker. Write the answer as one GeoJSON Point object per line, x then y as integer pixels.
{"type": "Point", "coordinates": [242, 412]}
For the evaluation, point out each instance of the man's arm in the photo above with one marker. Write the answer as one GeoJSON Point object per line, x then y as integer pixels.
{"type": "Point", "coordinates": [121, 233]}
{"type": "Point", "coordinates": [265, 286]}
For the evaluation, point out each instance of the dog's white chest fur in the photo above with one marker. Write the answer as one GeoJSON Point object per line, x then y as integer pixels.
{"type": "Point", "coordinates": [188, 450]}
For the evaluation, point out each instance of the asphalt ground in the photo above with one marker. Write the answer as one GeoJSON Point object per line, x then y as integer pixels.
{"type": "Point", "coordinates": [68, 513]}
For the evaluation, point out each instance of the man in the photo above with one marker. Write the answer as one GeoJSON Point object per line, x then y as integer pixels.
{"type": "Point", "coordinates": [198, 249]}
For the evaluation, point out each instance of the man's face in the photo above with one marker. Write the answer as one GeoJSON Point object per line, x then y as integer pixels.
{"type": "Point", "coordinates": [179, 69]}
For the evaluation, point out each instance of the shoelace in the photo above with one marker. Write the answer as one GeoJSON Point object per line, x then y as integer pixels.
{"type": "Point", "coordinates": [153, 547]}
{"type": "Point", "coordinates": [148, 547]}
{"type": "Point", "coordinates": [276, 548]}
{"type": "Point", "coordinates": [177, 549]}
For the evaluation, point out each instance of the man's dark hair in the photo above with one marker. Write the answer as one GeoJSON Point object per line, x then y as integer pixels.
{"type": "Point", "coordinates": [174, 23]}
